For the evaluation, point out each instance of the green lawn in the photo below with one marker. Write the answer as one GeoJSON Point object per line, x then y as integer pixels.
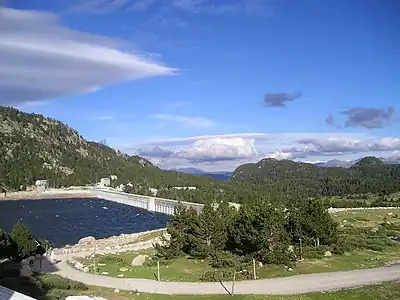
{"type": "Point", "coordinates": [368, 217]}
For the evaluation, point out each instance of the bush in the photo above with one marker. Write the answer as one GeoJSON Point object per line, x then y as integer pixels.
{"type": "Point", "coordinates": [225, 275]}
{"type": "Point", "coordinates": [225, 259]}
{"type": "Point", "coordinates": [25, 285]}
{"type": "Point", "coordinates": [51, 281]}
{"type": "Point", "coordinates": [312, 252]}
{"type": "Point", "coordinates": [111, 260]}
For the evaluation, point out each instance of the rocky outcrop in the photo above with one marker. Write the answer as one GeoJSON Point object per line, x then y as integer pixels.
{"type": "Point", "coordinates": [87, 240]}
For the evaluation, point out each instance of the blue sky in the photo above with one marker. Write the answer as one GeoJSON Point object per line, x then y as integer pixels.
{"type": "Point", "coordinates": [210, 84]}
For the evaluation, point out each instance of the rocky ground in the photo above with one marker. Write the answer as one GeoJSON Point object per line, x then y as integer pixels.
{"type": "Point", "coordinates": [113, 243]}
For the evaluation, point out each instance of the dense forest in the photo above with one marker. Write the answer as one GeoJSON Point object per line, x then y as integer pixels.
{"type": "Point", "coordinates": [369, 175]}
{"type": "Point", "coordinates": [34, 147]}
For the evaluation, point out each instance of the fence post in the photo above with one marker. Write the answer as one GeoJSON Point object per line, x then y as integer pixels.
{"type": "Point", "coordinates": [233, 283]}
{"type": "Point", "coordinates": [254, 269]}
{"type": "Point", "coordinates": [158, 270]}
{"type": "Point", "coordinates": [301, 249]}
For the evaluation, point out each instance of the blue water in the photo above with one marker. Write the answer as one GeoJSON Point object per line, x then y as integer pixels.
{"type": "Point", "coordinates": [66, 221]}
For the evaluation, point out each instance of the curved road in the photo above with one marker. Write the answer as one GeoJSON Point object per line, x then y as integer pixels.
{"type": "Point", "coordinates": [297, 284]}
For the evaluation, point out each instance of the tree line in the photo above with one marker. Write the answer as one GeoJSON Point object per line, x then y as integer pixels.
{"type": "Point", "coordinates": [260, 230]}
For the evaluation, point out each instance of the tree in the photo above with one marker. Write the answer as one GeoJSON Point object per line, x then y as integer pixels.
{"type": "Point", "coordinates": [308, 219]}
{"type": "Point", "coordinates": [259, 231]}
{"type": "Point", "coordinates": [210, 234]}
{"type": "Point", "coordinates": [3, 244]}
{"type": "Point", "coordinates": [24, 243]}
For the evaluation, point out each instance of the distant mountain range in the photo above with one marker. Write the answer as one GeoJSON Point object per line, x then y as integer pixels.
{"type": "Point", "coordinates": [215, 175]}
{"type": "Point", "coordinates": [334, 163]}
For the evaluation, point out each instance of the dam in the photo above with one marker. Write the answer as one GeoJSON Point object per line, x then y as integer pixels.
{"type": "Point", "coordinates": [152, 204]}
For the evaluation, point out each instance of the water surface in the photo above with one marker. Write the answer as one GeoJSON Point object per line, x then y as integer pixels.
{"type": "Point", "coordinates": [66, 221]}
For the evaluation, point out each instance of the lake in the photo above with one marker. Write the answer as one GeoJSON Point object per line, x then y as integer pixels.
{"type": "Point", "coordinates": [65, 221]}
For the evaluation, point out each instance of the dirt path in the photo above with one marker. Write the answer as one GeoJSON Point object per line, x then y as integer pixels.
{"type": "Point", "coordinates": [277, 286]}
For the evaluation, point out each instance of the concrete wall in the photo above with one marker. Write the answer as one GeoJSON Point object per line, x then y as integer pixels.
{"type": "Point", "coordinates": [160, 205]}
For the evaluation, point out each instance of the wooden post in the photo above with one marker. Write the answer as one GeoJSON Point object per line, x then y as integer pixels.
{"type": "Point", "coordinates": [158, 271]}
{"type": "Point", "coordinates": [233, 283]}
{"type": "Point", "coordinates": [254, 269]}
{"type": "Point", "coordinates": [301, 249]}
{"type": "Point", "coordinates": [94, 260]}
{"type": "Point", "coordinates": [318, 242]}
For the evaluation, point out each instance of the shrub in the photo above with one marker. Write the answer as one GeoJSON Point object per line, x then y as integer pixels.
{"type": "Point", "coordinates": [111, 260]}
{"type": "Point", "coordinates": [225, 275]}
{"type": "Point", "coordinates": [51, 281]}
{"type": "Point", "coordinates": [312, 252]}
{"type": "Point", "coordinates": [225, 259]}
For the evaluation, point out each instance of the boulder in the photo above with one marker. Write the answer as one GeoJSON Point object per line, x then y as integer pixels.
{"type": "Point", "coordinates": [328, 254]}
{"type": "Point", "coordinates": [116, 291]}
{"type": "Point", "coordinates": [85, 269]}
{"type": "Point", "coordinates": [139, 260]}
{"type": "Point", "coordinates": [260, 264]}
{"type": "Point", "coordinates": [78, 265]}
{"type": "Point", "coordinates": [87, 240]}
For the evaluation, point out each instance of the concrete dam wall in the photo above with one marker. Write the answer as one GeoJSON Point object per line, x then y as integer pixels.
{"type": "Point", "coordinates": [154, 204]}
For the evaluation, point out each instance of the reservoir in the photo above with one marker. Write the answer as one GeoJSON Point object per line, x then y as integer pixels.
{"type": "Point", "coordinates": [66, 221]}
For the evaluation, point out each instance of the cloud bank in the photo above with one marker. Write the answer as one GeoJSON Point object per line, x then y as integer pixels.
{"type": "Point", "coordinates": [40, 59]}
{"type": "Point", "coordinates": [226, 152]}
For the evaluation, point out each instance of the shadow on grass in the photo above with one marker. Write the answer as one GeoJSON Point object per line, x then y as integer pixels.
{"type": "Point", "coordinates": [33, 286]}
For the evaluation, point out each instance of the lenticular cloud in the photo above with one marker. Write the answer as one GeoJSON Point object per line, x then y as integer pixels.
{"type": "Point", "coordinates": [40, 59]}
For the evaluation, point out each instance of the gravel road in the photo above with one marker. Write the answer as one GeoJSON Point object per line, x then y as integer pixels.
{"type": "Point", "coordinates": [277, 286]}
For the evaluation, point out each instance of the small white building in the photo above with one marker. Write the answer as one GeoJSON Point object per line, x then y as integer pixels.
{"type": "Point", "coordinates": [105, 182]}
{"type": "Point", "coordinates": [41, 185]}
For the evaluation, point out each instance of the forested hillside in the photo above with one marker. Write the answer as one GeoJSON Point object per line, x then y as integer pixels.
{"type": "Point", "coordinates": [369, 175]}
{"type": "Point", "coordinates": [34, 147]}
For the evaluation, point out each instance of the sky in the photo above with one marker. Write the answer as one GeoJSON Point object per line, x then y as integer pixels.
{"type": "Point", "coordinates": [210, 84]}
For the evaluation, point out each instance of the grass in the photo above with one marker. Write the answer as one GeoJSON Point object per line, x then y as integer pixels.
{"type": "Point", "coordinates": [149, 236]}
{"type": "Point", "coordinates": [367, 218]}
{"type": "Point", "coordinates": [383, 291]}
{"type": "Point", "coordinates": [186, 269]}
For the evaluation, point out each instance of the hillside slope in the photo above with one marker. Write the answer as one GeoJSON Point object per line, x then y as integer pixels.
{"type": "Point", "coordinates": [367, 175]}
{"type": "Point", "coordinates": [34, 147]}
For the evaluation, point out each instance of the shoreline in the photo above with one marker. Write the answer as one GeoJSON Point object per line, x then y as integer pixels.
{"type": "Point", "coordinates": [15, 196]}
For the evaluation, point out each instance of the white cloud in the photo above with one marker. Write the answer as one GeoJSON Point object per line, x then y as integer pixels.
{"type": "Point", "coordinates": [185, 121]}
{"type": "Point", "coordinates": [40, 59]}
{"type": "Point", "coordinates": [218, 149]}
{"type": "Point", "coordinates": [226, 152]}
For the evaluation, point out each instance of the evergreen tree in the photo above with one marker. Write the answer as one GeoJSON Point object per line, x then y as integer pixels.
{"type": "Point", "coordinates": [22, 238]}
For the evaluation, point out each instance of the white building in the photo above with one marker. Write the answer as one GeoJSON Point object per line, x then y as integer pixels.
{"type": "Point", "coordinates": [105, 182]}
{"type": "Point", "coordinates": [41, 185]}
